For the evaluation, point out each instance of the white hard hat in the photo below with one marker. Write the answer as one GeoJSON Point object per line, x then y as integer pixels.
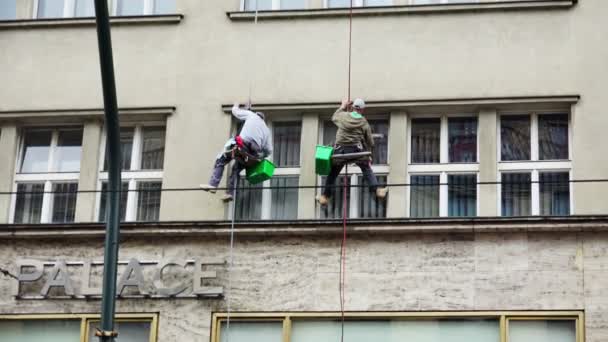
{"type": "Point", "coordinates": [358, 104]}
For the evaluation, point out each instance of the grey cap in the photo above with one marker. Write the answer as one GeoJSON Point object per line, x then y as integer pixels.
{"type": "Point", "coordinates": [358, 104]}
{"type": "Point", "coordinates": [260, 114]}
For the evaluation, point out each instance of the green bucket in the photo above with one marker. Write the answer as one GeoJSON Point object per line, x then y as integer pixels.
{"type": "Point", "coordinates": [260, 172]}
{"type": "Point", "coordinates": [323, 159]}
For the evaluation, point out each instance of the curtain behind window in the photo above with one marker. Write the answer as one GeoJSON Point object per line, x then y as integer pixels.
{"type": "Point", "coordinates": [64, 202]}
{"type": "Point", "coordinates": [8, 9]}
{"type": "Point", "coordinates": [462, 195]}
{"type": "Point", "coordinates": [424, 196]}
{"type": "Point", "coordinates": [333, 210]}
{"type": "Point", "coordinates": [284, 201]}
{"type": "Point", "coordinates": [369, 205]}
{"type": "Point", "coordinates": [462, 139]}
{"type": "Point", "coordinates": [554, 193]}
{"type": "Point", "coordinates": [425, 140]}
{"type": "Point", "coordinates": [516, 194]}
{"type": "Point", "coordinates": [248, 201]}
{"type": "Point", "coordinates": [40, 330]}
{"type": "Point", "coordinates": [286, 143]}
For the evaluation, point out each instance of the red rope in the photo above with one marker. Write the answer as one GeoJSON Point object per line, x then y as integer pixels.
{"type": "Point", "coordinates": [343, 250]}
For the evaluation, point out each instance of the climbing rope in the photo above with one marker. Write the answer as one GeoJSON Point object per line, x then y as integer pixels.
{"type": "Point", "coordinates": [254, 60]}
{"type": "Point", "coordinates": [345, 186]}
{"type": "Point", "coordinates": [230, 264]}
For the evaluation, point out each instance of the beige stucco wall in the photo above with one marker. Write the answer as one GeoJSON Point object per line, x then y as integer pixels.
{"type": "Point", "coordinates": [432, 272]}
{"type": "Point", "coordinates": [207, 60]}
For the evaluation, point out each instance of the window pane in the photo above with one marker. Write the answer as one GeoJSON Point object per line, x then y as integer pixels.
{"type": "Point", "coordinates": [339, 3]}
{"type": "Point", "coordinates": [553, 136]}
{"type": "Point", "coordinates": [554, 193]}
{"type": "Point", "coordinates": [50, 8]}
{"type": "Point", "coordinates": [148, 201]}
{"type": "Point", "coordinates": [248, 201]}
{"type": "Point", "coordinates": [126, 148]}
{"type": "Point", "coordinates": [261, 5]}
{"type": "Point", "coordinates": [252, 332]}
{"type": "Point", "coordinates": [462, 195]}
{"type": "Point", "coordinates": [286, 144]}
{"type": "Point", "coordinates": [130, 7]}
{"type": "Point", "coordinates": [462, 139]}
{"type": "Point", "coordinates": [398, 331]}
{"type": "Point", "coordinates": [293, 4]}
{"type": "Point", "coordinates": [39, 330]}
{"type": "Point", "coordinates": [329, 133]}
{"type": "Point", "coordinates": [85, 8]}
{"type": "Point", "coordinates": [377, 2]}
{"type": "Point", "coordinates": [424, 196]}
{"type": "Point", "coordinates": [334, 209]}
{"type": "Point", "coordinates": [127, 331]}
{"type": "Point", "coordinates": [542, 331]}
{"type": "Point", "coordinates": [64, 202]}
{"type": "Point", "coordinates": [516, 192]}
{"type": "Point", "coordinates": [425, 140]}
{"type": "Point", "coordinates": [369, 205]}
{"type": "Point", "coordinates": [8, 10]}
{"type": "Point", "coordinates": [515, 137]}
{"type": "Point", "coordinates": [28, 206]}
{"type": "Point", "coordinates": [153, 149]}
{"type": "Point", "coordinates": [36, 148]}
{"type": "Point", "coordinates": [104, 198]}
{"type": "Point", "coordinates": [69, 147]}
{"type": "Point", "coordinates": [380, 150]}
{"type": "Point", "coordinates": [284, 201]}
{"type": "Point", "coordinates": [164, 6]}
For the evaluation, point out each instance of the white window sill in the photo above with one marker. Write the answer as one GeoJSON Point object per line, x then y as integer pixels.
{"type": "Point", "coordinates": [90, 21]}
{"type": "Point", "coordinates": [403, 9]}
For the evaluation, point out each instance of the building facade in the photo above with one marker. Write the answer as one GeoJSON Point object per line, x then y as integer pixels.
{"type": "Point", "coordinates": [488, 127]}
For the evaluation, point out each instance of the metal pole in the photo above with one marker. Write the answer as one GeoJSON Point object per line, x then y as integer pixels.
{"type": "Point", "coordinates": [108, 301]}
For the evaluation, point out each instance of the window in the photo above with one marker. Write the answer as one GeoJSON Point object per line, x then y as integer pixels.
{"type": "Point", "coordinates": [267, 5]}
{"type": "Point", "coordinates": [75, 327]}
{"type": "Point", "coordinates": [64, 8]}
{"type": "Point", "coordinates": [392, 327]}
{"type": "Point", "coordinates": [280, 201]}
{"type": "Point", "coordinates": [437, 2]}
{"type": "Point", "coordinates": [534, 167]}
{"type": "Point", "coordinates": [443, 166]}
{"type": "Point", "coordinates": [361, 203]}
{"type": "Point", "coordinates": [47, 179]}
{"type": "Point", "coordinates": [143, 7]}
{"type": "Point", "coordinates": [8, 9]}
{"type": "Point", "coordinates": [143, 154]}
{"type": "Point", "coordinates": [357, 3]}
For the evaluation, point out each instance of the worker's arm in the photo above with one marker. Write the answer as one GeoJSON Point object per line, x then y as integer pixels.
{"type": "Point", "coordinates": [369, 137]}
{"type": "Point", "coordinates": [340, 112]}
{"type": "Point", "coordinates": [241, 114]}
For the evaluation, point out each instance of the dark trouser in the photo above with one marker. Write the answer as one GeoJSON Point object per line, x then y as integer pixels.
{"type": "Point", "coordinates": [224, 159]}
{"type": "Point", "coordinates": [364, 165]}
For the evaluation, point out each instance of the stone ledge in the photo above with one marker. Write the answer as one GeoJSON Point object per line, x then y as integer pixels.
{"type": "Point", "coordinates": [84, 113]}
{"type": "Point", "coordinates": [90, 21]}
{"type": "Point", "coordinates": [311, 227]}
{"type": "Point", "coordinates": [403, 9]}
{"type": "Point", "coordinates": [501, 103]}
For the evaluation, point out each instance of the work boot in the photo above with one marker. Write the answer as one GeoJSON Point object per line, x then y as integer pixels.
{"type": "Point", "coordinates": [381, 192]}
{"type": "Point", "coordinates": [227, 198]}
{"type": "Point", "coordinates": [323, 200]}
{"type": "Point", "coordinates": [210, 188]}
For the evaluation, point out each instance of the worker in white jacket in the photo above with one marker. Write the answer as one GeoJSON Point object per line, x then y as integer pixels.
{"type": "Point", "coordinates": [256, 140]}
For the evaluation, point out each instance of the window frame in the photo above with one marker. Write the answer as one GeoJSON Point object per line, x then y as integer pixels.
{"type": "Point", "coordinates": [276, 6]}
{"type": "Point", "coordinates": [47, 178]}
{"type": "Point", "coordinates": [354, 172]}
{"type": "Point", "coordinates": [85, 319]}
{"type": "Point", "coordinates": [266, 210]}
{"type": "Point", "coordinates": [534, 166]}
{"type": "Point", "coordinates": [503, 318]}
{"type": "Point", "coordinates": [356, 3]}
{"type": "Point", "coordinates": [444, 167]}
{"type": "Point", "coordinates": [134, 175]}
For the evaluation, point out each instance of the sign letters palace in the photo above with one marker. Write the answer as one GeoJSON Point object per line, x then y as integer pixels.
{"type": "Point", "coordinates": [62, 279]}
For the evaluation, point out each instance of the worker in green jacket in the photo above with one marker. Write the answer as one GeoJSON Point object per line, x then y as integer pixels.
{"type": "Point", "coordinates": [354, 135]}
